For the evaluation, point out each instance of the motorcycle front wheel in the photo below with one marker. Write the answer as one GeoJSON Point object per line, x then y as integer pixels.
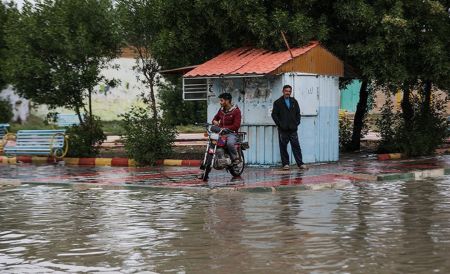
{"type": "Point", "coordinates": [208, 167]}
{"type": "Point", "coordinates": [237, 170]}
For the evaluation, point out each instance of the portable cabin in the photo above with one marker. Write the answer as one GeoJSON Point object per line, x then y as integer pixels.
{"type": "Point", "coordinates": [255, 78]}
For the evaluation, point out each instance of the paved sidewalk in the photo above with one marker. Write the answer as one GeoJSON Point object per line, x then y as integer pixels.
{"type": "Point", "coordinates": [254, 179]}
{"type": "Point", "coordinates": [183, 139]}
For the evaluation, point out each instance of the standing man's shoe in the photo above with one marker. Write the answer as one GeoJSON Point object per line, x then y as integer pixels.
{"type": "Point", "coordinates": [303, 166]}
{"type": "Point", "coordinates": [286, 167]}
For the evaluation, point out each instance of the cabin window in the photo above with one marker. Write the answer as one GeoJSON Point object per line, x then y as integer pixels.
{"type": "Point", "coordinates": [195, 89]}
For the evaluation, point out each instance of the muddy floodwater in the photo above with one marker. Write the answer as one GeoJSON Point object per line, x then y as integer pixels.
{"type": "Point", "coordinates": [389, 227]}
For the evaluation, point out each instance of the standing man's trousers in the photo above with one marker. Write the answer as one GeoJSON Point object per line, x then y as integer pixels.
{"type": "Point", "coordinates": [284, 139]}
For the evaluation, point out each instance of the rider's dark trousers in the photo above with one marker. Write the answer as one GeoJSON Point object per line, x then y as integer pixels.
{"type": "Point", "coordinates": [232, 138]}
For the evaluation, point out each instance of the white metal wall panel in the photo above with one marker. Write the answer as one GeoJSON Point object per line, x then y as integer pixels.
{"type": "Point", "coordinates": [328, 124]}
{"type": "Point", "coordinates": [305, 90]}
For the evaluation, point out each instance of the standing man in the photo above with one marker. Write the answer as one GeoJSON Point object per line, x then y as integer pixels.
{"type": "Point", "coordinates": [286, 115]}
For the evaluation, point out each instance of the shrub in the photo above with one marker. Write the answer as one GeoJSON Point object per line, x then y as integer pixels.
{"type": "Point", "coordinates": [147, 139]}
{"type": "Point", "coordinates": [345, 131]}
{"type": "Point", "coordinates": [427, 130]}
{"type": "Point", "coordinates": [86, 138]}
{"type": "Point", "coordinates": [423, 134]}
{"type": "Point", "coordinates": [6, 111]}
{"type": "Point", "coordinates": [387, 125]}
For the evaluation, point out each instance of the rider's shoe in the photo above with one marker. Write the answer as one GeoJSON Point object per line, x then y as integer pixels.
{"type": "Point", "coordinates": [200, 177]}
{"type": "Point", "coordinates": [236, 162]}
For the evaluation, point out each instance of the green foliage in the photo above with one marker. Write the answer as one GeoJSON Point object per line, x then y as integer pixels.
{"type": "Point", "coordinates": [185, 32]}
{"type": "Point", "coordinates": [4, 14]}
{"type": "Point", "coordinates": [6, 112]}
{"type": "Point", "coordinates": [56, 50]}
{"type": "Point", "coordinates": [33, 122]}
{"type": "Point", "coordinates": [85, 139]}
{"type": "Point", "coordinates": [176, 111]}
{"type": "Point", "coordinates": [147, 139]}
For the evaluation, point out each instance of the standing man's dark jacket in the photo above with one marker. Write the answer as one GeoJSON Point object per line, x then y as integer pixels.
{"type": "Point", "coordinates": [286, 119]}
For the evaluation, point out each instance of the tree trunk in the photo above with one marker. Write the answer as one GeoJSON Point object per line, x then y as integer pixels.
{"type": "Point", "coordinates": [407, 108]}
{"type": "Point", "coordinates": [153, 100]}
{"type": "Point", "coordinates": [90, 104]}
{"type": "Point", "coordinates": [360, 114]}
{"type": "Point", "coordinates": [427, 96]}
{"type": "Point", "coordinates": [77, 111]}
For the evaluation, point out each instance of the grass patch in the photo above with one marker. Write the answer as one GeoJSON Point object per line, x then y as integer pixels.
{"type": "Point", "coordinates": [33, 122]}
{"type": "Point", "coordinates": [109, 127]}
{"type": "Point", "coordinates": [113, 127]}
{"type": "Point", "coordinates": [190, 129]}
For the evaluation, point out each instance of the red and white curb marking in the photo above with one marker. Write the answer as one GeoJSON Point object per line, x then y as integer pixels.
{"type": "Point", "coordinates": [115, 162]}
{"type": "Point", "coordinates": [390, 156]}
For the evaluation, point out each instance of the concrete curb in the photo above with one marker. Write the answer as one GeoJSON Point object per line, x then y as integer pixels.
{"type": "Point", "coordinates": [113, 162]}
{"type": "Point", "coordinates": [415, 175]}
{"type": "Point", "coordinates": [396, 156]}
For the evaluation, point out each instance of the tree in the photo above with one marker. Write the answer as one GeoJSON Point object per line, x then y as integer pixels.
{"type": "Point", "coordinates": [4, 10]}
{"type": "Point", "coordinates": [398, 45]}
{"type": "Point", "coordinates": [139, 27]}
{"type": "Point", "coordinates": [57, 49]}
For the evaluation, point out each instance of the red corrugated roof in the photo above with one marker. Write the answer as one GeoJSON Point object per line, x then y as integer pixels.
{"type": "Point", "coordinates": [246, 60]}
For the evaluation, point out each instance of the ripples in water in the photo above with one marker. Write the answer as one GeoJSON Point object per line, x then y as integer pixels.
{"type": "Point", "coordinates": [395, 227]}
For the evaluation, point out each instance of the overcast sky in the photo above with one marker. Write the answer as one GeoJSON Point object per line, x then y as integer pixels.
{"type": "Point", "coordinates": [19, 2]}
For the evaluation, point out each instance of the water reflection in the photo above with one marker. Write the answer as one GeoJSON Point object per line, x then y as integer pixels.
{"type": "Point", "coordinates": [396, 227]}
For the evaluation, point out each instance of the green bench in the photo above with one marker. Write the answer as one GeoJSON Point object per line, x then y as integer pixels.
{"type": "Point", "coordinates": [67, 120]}
{"type": "Point", "coordinates": [39, 142]}
{"type": "Point", "coordinates": [3, 130]}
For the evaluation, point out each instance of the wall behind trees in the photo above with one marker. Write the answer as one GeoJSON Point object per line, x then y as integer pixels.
{"type": "Point", "coordinates": [110, 102]}
{"type": "Point", "coordinates": [20, 106]}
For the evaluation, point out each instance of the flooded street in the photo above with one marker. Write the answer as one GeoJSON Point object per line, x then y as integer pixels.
{"type": "Point", "coordinates": [389, 227]}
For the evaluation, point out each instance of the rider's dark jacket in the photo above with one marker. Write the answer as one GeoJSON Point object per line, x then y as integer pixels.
{"type": "Point", "coordinates": [230, 119]}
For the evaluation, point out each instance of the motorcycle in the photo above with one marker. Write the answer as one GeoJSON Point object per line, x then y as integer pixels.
{"type": "Point", "coordinates": [217, 155]}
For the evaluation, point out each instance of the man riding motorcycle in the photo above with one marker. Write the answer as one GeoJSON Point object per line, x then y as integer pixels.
{"type": "Point", "coordinates": [229, 117]}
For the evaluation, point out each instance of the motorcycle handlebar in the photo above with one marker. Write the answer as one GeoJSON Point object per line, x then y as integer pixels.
{"type": "Point", "coordinates": [217, 129]}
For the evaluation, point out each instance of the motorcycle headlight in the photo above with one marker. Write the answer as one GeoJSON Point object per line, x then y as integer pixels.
{"type": "Point", "coordinates": [214, 136]}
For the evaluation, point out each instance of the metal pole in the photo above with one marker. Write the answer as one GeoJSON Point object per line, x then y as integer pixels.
{"type": "Point", "coordinates": [287, 44]}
